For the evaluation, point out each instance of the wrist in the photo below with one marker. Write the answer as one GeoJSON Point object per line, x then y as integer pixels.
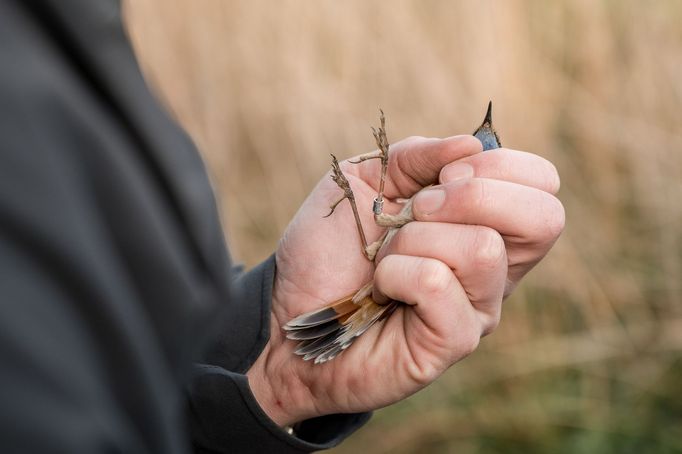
{"type": "Point", "coordinates": [275, 383]}
{"type": "Point", "coordinates": [265, 395]}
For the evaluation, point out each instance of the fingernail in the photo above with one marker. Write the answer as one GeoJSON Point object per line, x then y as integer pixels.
{"type": "Point", "coordinates": [456, 171]}
{"type": "Point", "coordinates": [429, 201]}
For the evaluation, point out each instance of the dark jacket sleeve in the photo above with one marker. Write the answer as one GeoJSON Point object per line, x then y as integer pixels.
{"type": "Point", "coordinates": [113, 269]}
{"type": "Point", "coordinates": [225, 416]}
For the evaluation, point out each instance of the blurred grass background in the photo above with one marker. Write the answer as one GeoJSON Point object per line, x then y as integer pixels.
{"type": "Point", "coordinates": [588, 357]}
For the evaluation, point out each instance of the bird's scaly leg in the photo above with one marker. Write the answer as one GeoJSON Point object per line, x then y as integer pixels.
{"type": "Point", "coordinates": [382, 144]}
{"type": "Point", "coordinates": [392, 221]}
{"type": "Point", "coordinates": [342, 182]}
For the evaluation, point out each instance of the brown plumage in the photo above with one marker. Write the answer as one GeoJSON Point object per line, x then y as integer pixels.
{"type": "Point", "coordinates": [325, 333]}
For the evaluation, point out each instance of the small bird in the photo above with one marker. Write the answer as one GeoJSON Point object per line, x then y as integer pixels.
{"type": "Point", "coordinates": [325, 333]}
{"type": "Point", "coordinates": [486, 133]}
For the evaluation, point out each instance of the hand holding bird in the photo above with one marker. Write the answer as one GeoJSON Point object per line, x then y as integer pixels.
{"type": "Point", "coordinates": [486, 220]}
{"type": "Point", "coordinates": [326, 332]}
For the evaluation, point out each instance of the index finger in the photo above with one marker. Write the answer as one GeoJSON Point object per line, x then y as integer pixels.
{"type": "Point", "coordinates": [504, 164]}
{"type": "Point", "coordinates": [529, 215]}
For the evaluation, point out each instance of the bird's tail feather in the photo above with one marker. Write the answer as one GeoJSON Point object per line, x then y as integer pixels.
{"type": "Point", "coordinates": [326, 332]}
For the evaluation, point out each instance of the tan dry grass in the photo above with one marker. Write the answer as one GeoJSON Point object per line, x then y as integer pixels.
{"type": "Point", "coordinates": [268, 89]}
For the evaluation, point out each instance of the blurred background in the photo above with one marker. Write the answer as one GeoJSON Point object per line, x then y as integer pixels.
{"type": "Point", "coordinates": [588, 357]}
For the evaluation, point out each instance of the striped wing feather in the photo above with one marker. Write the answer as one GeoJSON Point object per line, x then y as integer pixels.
{"type": "Point", "coordinates": [325, 333]}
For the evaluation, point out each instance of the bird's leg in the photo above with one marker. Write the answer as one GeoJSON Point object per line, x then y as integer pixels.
{"type": "Point", "coordinates": [342, 182]}
{"type": "Point", "coordinates": [382, 144]}
{"type": "Point", "coordinates": [372, 249]}
{"type": "Point", "coordinates": [366, 157]}
{"type": "Point", "coordinates": [382, 219]}
{"type": "Point", "coordinates": [392, 221]}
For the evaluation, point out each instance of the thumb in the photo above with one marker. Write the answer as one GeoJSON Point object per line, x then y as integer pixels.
{"type": "Point", "coordinates": [416, 162]}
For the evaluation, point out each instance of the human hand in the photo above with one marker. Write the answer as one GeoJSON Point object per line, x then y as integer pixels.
{"type": "Point", "coordinates": [452, 266]}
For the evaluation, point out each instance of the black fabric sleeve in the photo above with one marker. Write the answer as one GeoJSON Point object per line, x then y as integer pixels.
{"type": "Point", "coordinates": [112, 261]}
{"type": "Point", "coordinates": [246, 428]}
{"type": "Point", "coordinates": [224, 414]}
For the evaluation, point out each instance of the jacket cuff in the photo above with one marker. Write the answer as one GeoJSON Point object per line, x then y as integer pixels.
{"type": "Point", "coordinates": [224, 414]}
{"type": "Point", "coordinates": [244, 328]}
{"type": "Point", "coordinates": [227, 418]}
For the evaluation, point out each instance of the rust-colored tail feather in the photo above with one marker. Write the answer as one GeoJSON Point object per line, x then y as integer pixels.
{"type": "Point", "coordinates": [325, 333]}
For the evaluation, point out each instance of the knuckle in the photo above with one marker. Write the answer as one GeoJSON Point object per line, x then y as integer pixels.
{"type": "Point", "coordinates": [475, 195]}
{"type": "Point", "coordinates": [434, 277]}
{"type": "Point", "coordinates": [491, 323]}
{"type": "Point", "coordinates": [488, 248]}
